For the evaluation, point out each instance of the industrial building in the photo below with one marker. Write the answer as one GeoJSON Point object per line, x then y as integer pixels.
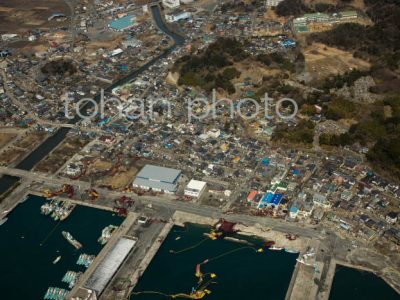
{"type": "Point", "coordinates": [109, 266]}
{"type": "Point", "coordinates": [195, 188]}
{"type": "Point", "coordinates": [158, 179]}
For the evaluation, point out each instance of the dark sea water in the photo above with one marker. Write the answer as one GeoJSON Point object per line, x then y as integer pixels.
{"type": "Point", "coordinates": [244, 274]}
{"type": "Point", "coordinates": [27, 268]}
{"type": "Point", "coordinates": [353, 284]}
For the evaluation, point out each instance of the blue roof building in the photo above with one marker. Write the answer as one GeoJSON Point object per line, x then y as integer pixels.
{"type": "Point", "coordinates": [270, 199]}
{"type": "Point", "coordinates": [122, 23]}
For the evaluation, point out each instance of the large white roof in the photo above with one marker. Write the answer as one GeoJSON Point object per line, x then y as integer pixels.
{"type": "Point", "coordinates": [156, 173]}
{"type": "Point", "coordinates": [110, 264]}
{"type": "Point", "coordinates": [196, 185]}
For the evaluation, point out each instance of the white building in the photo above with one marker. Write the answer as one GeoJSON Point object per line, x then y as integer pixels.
{"type": "Point", "coordinates": [195, 188]}
{"type": "Point", "coordinates": [214, 133]}
{"type": "Point", "coordinates": [171, 3]}
{"type": "Point", "coordinates": [116, 52]}
{"type": "Point", "coordinates": [273, 3]}
{"type": "Point", "coordinates": [176, 16]}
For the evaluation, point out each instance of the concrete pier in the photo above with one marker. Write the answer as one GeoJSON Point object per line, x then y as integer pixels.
{"type": "Point", "coordinates": [304, 283]}
{"type": "Point", "coordinates": [150, 255]}
{"type": "Point", "coordinates": [121, 231]}
{"type": "Point", "coordinates": [324, 294]}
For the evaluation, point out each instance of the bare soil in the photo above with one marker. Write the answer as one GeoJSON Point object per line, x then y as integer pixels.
{"type": "Point", "coordinates": [323, 61]}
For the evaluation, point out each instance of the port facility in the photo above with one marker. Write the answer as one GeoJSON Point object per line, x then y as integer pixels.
{"type": "Point", "coordinates": [158, 178]}
{"type": "Point", "coordinates": [109, 266]}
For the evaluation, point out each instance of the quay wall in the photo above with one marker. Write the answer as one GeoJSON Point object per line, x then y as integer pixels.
{"type": "Point", "coordinates": [149, 256]}
{"type": "Point", "coordinates": [120, 232]}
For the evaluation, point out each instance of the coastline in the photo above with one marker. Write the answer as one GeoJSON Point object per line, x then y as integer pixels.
{"type": "Point", "coordinates": [300, 244]}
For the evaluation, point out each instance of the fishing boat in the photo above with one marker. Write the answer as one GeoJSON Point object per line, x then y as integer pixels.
{"type": "Point", "coordinates": [56, 260]}
{"type": "Point", "coordinates": [106, 234]}
{"type": "Point", "coordinates": [2, 221]}
{"type": "Point", "coordinates": [54, 293]}
{"type": "Point", "coordinates": [85, 260]}
{"type": "Point", "coordinates": [71, 240]}
{"type": "Point", "coordinates": [274, 248]}
{"type": "Point", "coordinates": [71, 278]}
{"type": "Point", "coordinates": [291, 250]}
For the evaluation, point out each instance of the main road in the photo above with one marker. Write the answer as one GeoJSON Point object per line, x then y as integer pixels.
{"type": "Point", "coordinates": [166, 201]}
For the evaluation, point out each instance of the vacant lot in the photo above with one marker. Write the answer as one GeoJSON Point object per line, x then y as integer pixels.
{"type": "Point", "coordinates": [31, 140]}
{"type": "Point", "coordinates": [61, 155]}
{"type": "Point", "coordinates": [5, 138]}
{"type": "Point", "coordinates": [11, 155]}
{"type": "Point", "coordinates": [323, 61]}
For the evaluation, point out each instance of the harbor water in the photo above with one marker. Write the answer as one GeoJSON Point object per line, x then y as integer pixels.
{"type": "Point", "coordinates": [242, 272]}
{"type": "Point", "coordinates": [351, 284]}
{"type": "Point", "coordinates": [30, 242]}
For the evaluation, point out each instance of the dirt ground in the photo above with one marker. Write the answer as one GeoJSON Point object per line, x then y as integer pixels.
{"type": "Point", "coordinates": [31, 140]}
{"type": "Point", "coordinates": [100, 165]}
{"type": "Point", "coordinates": [61, 155]}
{"type": "Point", "coordinates": [23, 15]}
{"type": "Point", "coordinates": [5, 138]}
{"type": "Point", "coordinates": [111, 44]}
{"type": "Point", "coordinates": [9, 156]}
{"type": "Point", "coordinates": [322, 61]}
{"type": "Point", "coordinates": [121, 179]}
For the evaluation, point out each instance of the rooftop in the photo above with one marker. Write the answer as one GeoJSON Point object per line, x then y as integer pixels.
{"type": "Point", "coordinates": [160, 174]}
{"type": "Point", "coordinates": [196, 185]}
{"type": "Point", "coordinates": [107, 268]}
{"type": "Point", "coordinates": [122, 23]}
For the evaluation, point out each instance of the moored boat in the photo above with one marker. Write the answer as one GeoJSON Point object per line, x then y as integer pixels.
{"type": "Point", "coordinates": [106, 234]}
{"type": "Point", "coordinates": [71, 240]}
{"type": "Point", "coordinates": [2, 221]}
{"type": "Point", "coordinates": [274, 248]}
{"type": "Point", "coordinates": [56, 260]}
{"type": "Point", "coordinates": [291, 250]}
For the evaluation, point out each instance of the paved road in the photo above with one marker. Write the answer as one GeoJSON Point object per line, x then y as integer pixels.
{"type": "Point", "coordinates": [165, 201]}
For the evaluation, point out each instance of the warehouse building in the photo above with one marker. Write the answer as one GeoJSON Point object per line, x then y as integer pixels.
{"type": "Point", "coordinates": [195, 188]}
{"type": "Point", "coordinates": [158, 179]}
{"type": "Point", "coordinates": [109, 266]}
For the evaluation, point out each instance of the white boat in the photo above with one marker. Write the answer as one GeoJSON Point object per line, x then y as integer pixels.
{"type": "Point", "coordinates": [273, 248]}
{"type": "Point", "coordinates": [291, 251]}
{"type": "Point", "coordinates": [56, 260]}
{"type": "Point", "coordinates": [2, 221]}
